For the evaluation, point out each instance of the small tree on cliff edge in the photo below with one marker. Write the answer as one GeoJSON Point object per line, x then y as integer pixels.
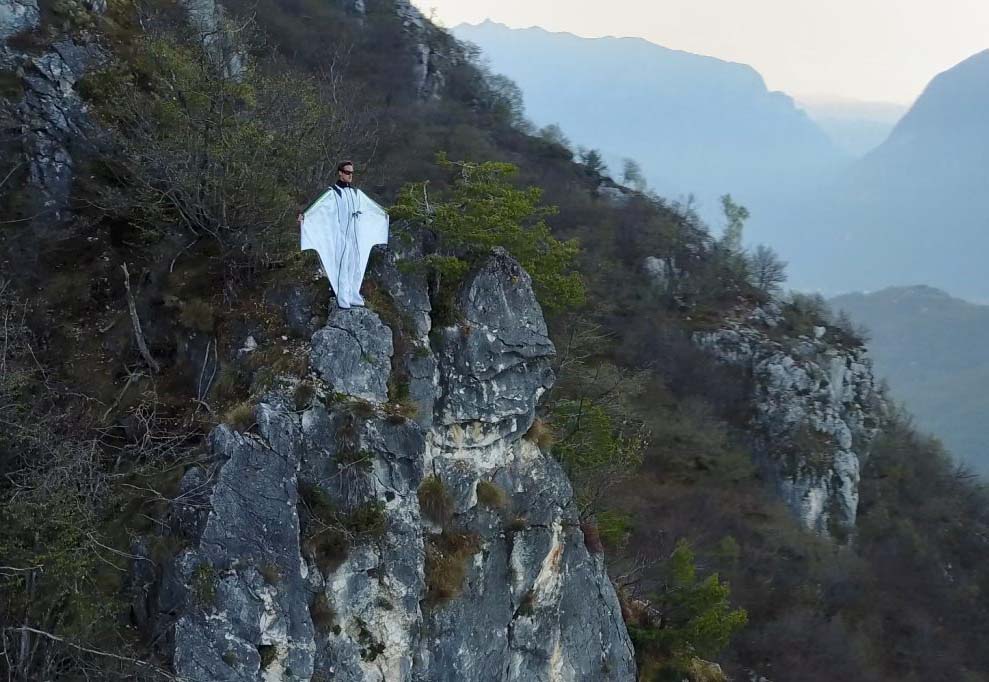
{"type": "Point", "coordinates": [735, 217]}
{"type": "Point", "coordinates": [690, 618]}
{"type": "Point", "coordinates": [481, 209]}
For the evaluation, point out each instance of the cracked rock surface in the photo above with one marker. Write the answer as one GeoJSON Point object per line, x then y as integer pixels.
{"type": "Point", "coordinates": [261, 593]}
{"type": "Point", "coordinates": [353, 353]}
{"type": "Point", "coordinates": [16, 16]}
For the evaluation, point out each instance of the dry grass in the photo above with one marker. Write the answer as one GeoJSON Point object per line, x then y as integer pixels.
{"type": "Point", "coordinates": [705, 671]}
{"type": "Point", "coordinates": [231, 384]}
{"type": "Point", "coordinates": [447, 560]}
{"type": "Point", "coordinates": [490, 495]}
{"type": "Point", "coordinates": [592, 536]}
{"type": "Point", "coordinates": [434, 500]}
{"type": "Point", "coordinates": [517, 524]}
{"type": "Point", "coordinates": [324, 616]}
{"type": "Point", "coordinates": [540, 433]}
{"type": "Point", "coordinates": [271, 573]}
{"type": "Point", "coordinates": [199, 315]}
{"type": "Point", "coordinates": [240, 417]}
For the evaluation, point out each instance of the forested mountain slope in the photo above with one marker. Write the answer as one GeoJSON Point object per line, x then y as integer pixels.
{"type": "Point", "coordinates": [930, 346]}
{"type": "Point", "coordinates": [210, 473]}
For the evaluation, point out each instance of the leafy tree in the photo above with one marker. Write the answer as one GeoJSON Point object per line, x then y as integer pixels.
{"type": "Point", "coordinates": [598, 437]}
{"type": "Point", "coordinates": [766, 269]}
{"type": "Point", "coordinates": [496, 93]}
{"type": "Point", "coordinates": [216, 151]}
{"type": "Point", "coordinates": [554, 134]}
{"type": "Point", "coordinates": [483, 209]}
{"type": "Point", "coordinates": [632, 175]}
{"type": "Point", "coordinates": [735, 217]}
{"type": "Point", "coordinates": [506, 99]}
{"type": "Point", "coordinates": [593, 161]}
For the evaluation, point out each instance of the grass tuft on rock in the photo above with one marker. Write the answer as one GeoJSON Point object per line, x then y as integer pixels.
{"type": "Point", "coordinates": [541, 434]}
{"type": "Point", "coordinates": [434, 500]}
{"type": "Point", "coordinates": [240, 417]}
{"type": "Point", "coordinates": [448, 555]}
{"type": "Point", "coordinates": [204, 584]}
{"type": "Point", "coordinates": [323, 615]}
{"type": "Point", "coordinates": [329, 532]}
{"type": "Point", "coordinates": [491, 495]}
{"type": "Point", "coordinates": [268, 653]}
{"type": "Point", "coordinates": [303, 395]}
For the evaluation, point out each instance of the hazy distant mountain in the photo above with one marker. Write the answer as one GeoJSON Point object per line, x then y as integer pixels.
{"type": "Point", "coordinates": [914, 209]}
{"type": "Point", "coordinates": [932, 349]}
{"type": "Point", "coordinates": [695, 123]}
{"type": "Point", "coordinates": [857, 127]}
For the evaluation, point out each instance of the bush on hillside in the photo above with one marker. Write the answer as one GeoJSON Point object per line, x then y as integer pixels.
{"type": "Point", "coordinates": [482, 209]}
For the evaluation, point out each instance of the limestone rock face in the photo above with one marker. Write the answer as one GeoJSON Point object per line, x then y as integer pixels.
{"type": "Point", "coordinates": [353, 353]}
{"type": "Point", "coordinates": [17, 16]}
{"type": "Point", "coordinates": [495, 364]}
{"type": "Point", "coordinates": [817, 411]}
{"type": "Point", "coordinates": [431, 59]}
{"type": "Point", "coordinates": [311, 557]}
{"type": "Point", "coordinates": [49, 113]}
{"type": "Point", "coordinates": [246, 577]}
{"type": "Point", "coordinates": [208, 18]}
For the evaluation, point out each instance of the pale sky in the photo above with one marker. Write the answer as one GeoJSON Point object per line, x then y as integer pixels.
{"type": "Point", "coordinates": [874, 50]}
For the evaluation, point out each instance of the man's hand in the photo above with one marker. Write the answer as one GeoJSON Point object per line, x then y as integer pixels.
{"type": "Point", "coordinates": [301, 217]}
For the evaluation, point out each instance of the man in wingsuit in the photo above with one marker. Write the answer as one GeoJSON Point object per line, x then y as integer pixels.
{"type": "Point", "coordinates": [342, 226]}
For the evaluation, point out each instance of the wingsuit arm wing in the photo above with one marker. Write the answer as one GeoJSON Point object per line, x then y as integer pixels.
{"type": "Point", "coordinates": [373, 228]}
{"type": "Point", "coordinates": [320, 227]}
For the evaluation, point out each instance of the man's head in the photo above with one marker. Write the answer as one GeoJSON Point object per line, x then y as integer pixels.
{"type": "Point", "coordinates": [345, 171]}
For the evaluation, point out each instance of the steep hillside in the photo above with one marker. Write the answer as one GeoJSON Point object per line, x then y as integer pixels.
{"type": "Point", "coordinates": [695, 123]}
{"type": "Point", "coordinates": [930, 346]}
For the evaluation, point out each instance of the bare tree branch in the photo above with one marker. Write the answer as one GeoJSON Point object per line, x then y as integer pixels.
{"type": "Point", "coordinates": [136, 322]}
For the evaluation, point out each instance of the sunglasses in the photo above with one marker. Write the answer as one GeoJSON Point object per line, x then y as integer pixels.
{"type": "Point", "coordinates": [350, 172]}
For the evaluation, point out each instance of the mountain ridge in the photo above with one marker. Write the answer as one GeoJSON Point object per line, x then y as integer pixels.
{"type": "Point", "coordinates": [911, 209]}
{"type": "Point", "coordinates": [697, 124]}
{"type": "Point", "coordinates": [929, 345]}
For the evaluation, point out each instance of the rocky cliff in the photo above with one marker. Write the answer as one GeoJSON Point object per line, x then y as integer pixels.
{"type": "Point", "coordinates": [335, 538]}
{"type": "Point", "coordinates": [816, 410]}
{"type": "Point", "coordinates": [41, 69]}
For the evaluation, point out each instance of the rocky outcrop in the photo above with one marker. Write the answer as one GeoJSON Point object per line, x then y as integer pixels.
{"type": "Point", "coordinates": [816, 411]}
{"type": "Point", "coordinates": [352, 353]}
{"type": "Point", "coordinates": [46, 109]}
{"type": "Point", "coordinates": [54, 119]}
{"type": "Point", "coordinates": [427, 67]}
{"type": "Point", "coordinates": [338, 540]}
{"type": "Point", "coordinates": [17, 16]}
{"type": "Point", "coordinates": [208, 19]}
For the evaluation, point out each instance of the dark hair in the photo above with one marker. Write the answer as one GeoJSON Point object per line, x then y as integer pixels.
{"type": "Point", "coordinates": [342, 164]}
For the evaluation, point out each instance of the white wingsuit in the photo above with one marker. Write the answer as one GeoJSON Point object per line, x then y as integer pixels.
{"type": "Point", "coordinates": [341, 227]}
